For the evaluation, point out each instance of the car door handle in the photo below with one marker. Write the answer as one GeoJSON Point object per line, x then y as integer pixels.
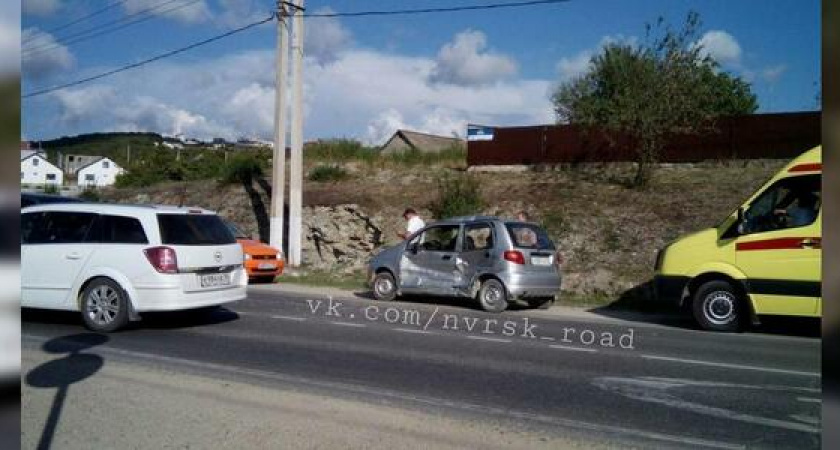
{"type": "Point", "coordinates": [446, 257]}
{"type": "Point", "coordinates": [73, 256]}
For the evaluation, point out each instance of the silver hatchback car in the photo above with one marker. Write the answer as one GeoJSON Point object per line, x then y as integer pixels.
{"type": "Point", "coordinates": [487, 258]}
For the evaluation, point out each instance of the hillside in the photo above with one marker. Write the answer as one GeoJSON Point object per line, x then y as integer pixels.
{"type": "Point", "coordinates": [609, 233]}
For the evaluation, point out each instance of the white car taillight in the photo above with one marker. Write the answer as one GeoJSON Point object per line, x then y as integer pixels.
{"type": "Point", "coordinates": [162, 259]}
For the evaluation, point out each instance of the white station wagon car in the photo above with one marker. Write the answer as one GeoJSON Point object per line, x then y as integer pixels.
{"type": "Point", "coordinates": [111, 262]}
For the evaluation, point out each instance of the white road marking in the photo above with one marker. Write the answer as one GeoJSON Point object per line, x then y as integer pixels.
{"type": "Point", "coordinates": [349, 324]}
{"type": "Point", "coordinates": [373, 392]}
{"type": "Point", "coordinates": [577, 349]}
{"type": "Point", "coordinates": [732, 366]}
{"type": "Point", "coordinates": [296, 319]}
{"type": "Point", "coordinates": [547, 338]}
{"type": "Point", "coordinates": [412, 330]}
{"type": "Point", "coordinates": [661, 391]}
{"type": "Point", "coordinates": [482, 338]}
{"type": "Point", "coordinates": [809, 400]}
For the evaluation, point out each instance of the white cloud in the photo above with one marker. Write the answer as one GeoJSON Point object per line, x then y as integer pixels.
{"type": "Point", "coordinates": [721, 46]}
{"type": "Point", "coordinates": [234, 13]}
{"type": "Point", "coordinates": [573, 67]}
{"type": "Point", "coordinates": [47, 56]}
{"type": "Point", "coordinates": [140, 113]}
{"type": "Point", "coordinates": [186, 12]}
{"type": "Point", "coordinates": [773, 73]}
{"type": "Point", "coordinates": [465, 62]}
{"type": "Point", "coordinates": [326, 37]}
{"type": "Point", "coordinates": [41, 7]}
{"type": "Point", "coordinates": [570, 67]}
{"type": "Point", "coordinates": [362, 94]}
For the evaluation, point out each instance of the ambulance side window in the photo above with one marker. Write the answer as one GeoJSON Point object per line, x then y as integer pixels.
{"type": "Point", "coordinates": [789, 203]}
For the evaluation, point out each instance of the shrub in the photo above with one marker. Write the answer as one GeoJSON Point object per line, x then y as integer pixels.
{"type": "Point", "coordinates": [327, 173]}
{"type": "Point", "coordinates": [455, 154]}
{"type": "Point", "coordinates": [51, 189]}
{"type": "Point", "coordinates": [139, 177]}
{"type": "Point", "coordinates": [335, 150]}
{"type": "Point", "coordinates": [457, 196]}
{"type": "Point", "coordinates": [90, 194]}
{"type": "Point", "coordinates": [242, 168]}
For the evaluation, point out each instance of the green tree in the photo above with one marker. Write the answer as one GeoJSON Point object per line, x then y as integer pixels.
{"type": "Point", "coordinates": [648, 92]}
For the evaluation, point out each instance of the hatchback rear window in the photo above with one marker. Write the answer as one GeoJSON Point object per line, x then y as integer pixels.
{"type": "Point", "coordinates": [526, 235]}
{"type": "Point", "coordinates": [117, 230]}
{"type": "Point", "coordinates": [194, 229]}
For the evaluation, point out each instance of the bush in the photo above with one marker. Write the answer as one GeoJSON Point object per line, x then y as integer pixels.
{"type": "Point", "coordinates": [139, 177]}
{"type": "Point", "coordinates": [90, 194]}
{"type": "Point", "coordinates": [457, 196]}
{"type": "Point", "coordinates": [242, 168]}
{"type": "Point", "coordinates": [454, 154]}
{"type": "Point", "coordinates": [328, 173]}
{"type": "Point", "coordinates": [335, 150]}
{"type": "Point", "coordinates": [51, 189]}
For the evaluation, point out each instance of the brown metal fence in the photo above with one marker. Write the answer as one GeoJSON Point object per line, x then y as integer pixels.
{"type": "Point", "coordinates": [757, 136]}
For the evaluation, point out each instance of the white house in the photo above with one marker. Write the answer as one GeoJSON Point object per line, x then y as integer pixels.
{"type": "Point", "coordinates": [36, 170]}
{"type": "Point", "coordinates": [101, 172]}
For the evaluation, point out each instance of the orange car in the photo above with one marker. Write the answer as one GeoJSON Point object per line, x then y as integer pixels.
{"type": "Point", "coordinates": [262, 262]}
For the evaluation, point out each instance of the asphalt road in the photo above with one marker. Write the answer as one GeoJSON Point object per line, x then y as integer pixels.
{"type": "Point", "coordinates": [621, 382]}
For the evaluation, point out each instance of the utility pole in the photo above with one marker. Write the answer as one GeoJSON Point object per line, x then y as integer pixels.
{"type": "Point", "coordinates": [278, 170]}
{"type": "Point", "coordinates": [128, 155]}
{"type": "Point", "coordinates": [296, 160]}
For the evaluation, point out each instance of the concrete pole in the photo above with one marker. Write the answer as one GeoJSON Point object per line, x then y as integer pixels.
{"type": "Point", "coordinates": [296, 161]}
{"type": "Point", "coordinates": [278, 170]}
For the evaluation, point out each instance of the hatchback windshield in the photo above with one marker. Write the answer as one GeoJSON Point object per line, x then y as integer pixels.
{"type": "Point", "coordinates": [194, 229]}
{"type": "Point", "coordinates": [526, 235]}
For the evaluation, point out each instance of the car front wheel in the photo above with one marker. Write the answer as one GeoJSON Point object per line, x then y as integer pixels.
{"type": "Point", "coordinates": [492, 296]}
{"type": "Point", "coordinates": [104, 306]}
{"type": "Point", "coordinates": [717, 307]}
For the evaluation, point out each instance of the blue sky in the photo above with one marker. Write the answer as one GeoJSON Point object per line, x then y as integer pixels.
{"type": "Point", "coordinates": [367, 76]}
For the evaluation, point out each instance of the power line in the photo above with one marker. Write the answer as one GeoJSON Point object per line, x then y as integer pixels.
{"type": "Point", "coordinates": [80, 19]}
{"type": "Point", "coordinates": [436, 10]}
{"type": "Point", "coordinates": [108, 27]}
{"type": "Point", "coordinates": [150, 60]}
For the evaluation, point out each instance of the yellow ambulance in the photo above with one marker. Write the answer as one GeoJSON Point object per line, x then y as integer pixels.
{"type": "Point", "coordinates": [763, 259]}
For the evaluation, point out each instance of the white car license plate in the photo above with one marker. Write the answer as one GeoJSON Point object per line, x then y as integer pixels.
{"type": "Point", "coordinates": [266, 266]}
{"type": "Point", "coordinates": [541, 260]}
{"type": "Point", "coordinates": [216, 279]}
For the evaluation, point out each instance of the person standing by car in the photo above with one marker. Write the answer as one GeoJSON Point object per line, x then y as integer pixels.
{"type": "Point", "coordinates": [413, 223]}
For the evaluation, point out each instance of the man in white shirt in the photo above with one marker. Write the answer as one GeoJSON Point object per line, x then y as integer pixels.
{"type": "Point", "coordinates": [413, 223]}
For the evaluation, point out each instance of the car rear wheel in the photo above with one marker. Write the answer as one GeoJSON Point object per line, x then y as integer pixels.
{"type": "Point", "coordinates": [104, 306]}
{"type": "Point", "coordinates": [492, 296]}
{"type": "Point", "coordinates": [718, 307]}
{"type": "Point", "coordinates": [541, 302]}
{"type": "Point", "coordinates": [384, 286]}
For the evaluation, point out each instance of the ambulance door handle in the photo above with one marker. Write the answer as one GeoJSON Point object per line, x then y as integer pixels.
{"type": "Point", "coordinates": [808, 243]}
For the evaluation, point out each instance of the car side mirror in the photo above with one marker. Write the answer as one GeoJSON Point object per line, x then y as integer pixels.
{"type": "Point", "coordinates": [741, 221]}
{"type": "Point", "coordinates": [413, 248]}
